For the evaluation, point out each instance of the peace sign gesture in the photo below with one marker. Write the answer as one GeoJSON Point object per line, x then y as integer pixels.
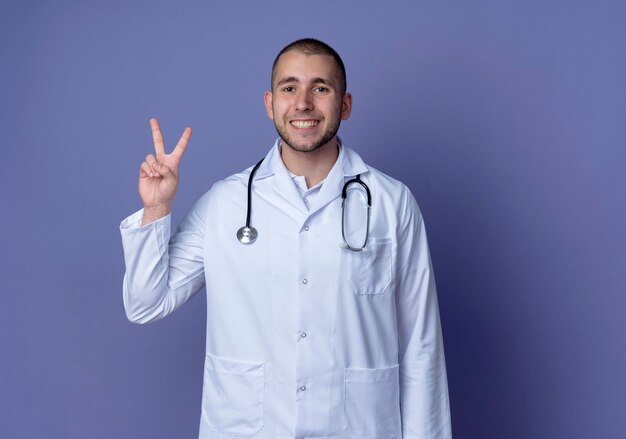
{"type": "Point", "coordinates": [158, 175]}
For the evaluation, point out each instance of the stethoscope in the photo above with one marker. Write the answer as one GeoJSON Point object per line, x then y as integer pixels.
{"type": "Point", "coordinates": [248, 234]}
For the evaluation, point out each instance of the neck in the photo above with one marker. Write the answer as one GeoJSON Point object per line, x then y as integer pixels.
{"type": "Point", "coordinates": [314, 165]}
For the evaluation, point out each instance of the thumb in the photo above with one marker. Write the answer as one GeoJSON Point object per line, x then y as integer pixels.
{"type": "Point", "coordinates": [164, 171]}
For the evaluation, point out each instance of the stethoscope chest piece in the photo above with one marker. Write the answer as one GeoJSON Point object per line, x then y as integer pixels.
{"type": "Point", "coordinates": [247, 235]}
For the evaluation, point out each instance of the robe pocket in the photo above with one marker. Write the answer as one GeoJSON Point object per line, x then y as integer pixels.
{"type": "Point", "coordinates": [370, 271]}
{"type": "Point", "coordinates": [232, 401]}
{"type": "Point", "coordinates": [372, 403]}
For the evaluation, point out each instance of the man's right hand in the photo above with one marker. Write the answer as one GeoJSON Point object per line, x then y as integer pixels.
{"type": "Point", "coordinates": [158, 175]}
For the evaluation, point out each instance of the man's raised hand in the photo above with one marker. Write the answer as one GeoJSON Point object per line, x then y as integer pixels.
{"type": "Point", "coordinates": [158, 175]}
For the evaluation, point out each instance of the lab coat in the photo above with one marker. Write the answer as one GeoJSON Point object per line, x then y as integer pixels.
{"type": "Point", "coordinates": [304, 338]}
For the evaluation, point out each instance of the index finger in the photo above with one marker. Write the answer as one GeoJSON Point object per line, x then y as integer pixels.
{"type": "Point", "coordinates": [182, 143]}
{"type": "Point", "coordinates": [157, 137]}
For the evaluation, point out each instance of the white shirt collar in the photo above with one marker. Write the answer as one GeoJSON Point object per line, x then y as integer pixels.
{"type": "Point", "coordinates": [351, 163]}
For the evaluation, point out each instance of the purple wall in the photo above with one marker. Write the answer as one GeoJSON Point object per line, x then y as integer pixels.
{"type": "Point", "coordinates": [507, 119]}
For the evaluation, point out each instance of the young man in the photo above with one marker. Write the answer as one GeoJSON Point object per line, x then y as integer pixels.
{"type": "Point", "coordinates": [324, 323]}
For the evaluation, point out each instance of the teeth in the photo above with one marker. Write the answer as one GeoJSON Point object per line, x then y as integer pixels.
{"type": "Point", "coordinates": [304, 123]}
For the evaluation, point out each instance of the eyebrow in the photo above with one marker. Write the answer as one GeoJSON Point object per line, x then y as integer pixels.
{"type": "Point", "coordinates": [291, 79]}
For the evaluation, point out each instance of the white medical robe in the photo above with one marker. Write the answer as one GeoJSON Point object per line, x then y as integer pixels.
{"type": "Point", "coordinates": [304, 338]}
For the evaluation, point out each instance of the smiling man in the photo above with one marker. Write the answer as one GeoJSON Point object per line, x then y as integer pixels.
{"type": "Point", "coordinates": [308, 99]}
{"type": "Point", "coordinates": [333, 330]}
{"type": "Point", "coordinates": [307, 103]}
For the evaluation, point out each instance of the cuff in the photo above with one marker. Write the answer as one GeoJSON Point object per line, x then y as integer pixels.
{"type": "Point", "coordinates": [133, 222]}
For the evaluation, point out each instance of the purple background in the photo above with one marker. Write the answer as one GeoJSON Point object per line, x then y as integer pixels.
{"type": "Point", "coordinates": [505, 118]}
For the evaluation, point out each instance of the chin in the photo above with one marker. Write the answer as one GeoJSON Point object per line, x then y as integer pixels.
{"type": "Point", "coordinates": [307, 145]}
{"type": "Point", "coordinates": [299, 147]}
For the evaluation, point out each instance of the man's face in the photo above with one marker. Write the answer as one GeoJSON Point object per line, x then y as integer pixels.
{"type": "Point", "coordinates": [306, 103]}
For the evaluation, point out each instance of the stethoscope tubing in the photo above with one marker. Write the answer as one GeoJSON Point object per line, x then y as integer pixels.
{"type": "Point", "coordinates": [249, 211]}
{"type": "Point", "coordinates": [344, 195]}
{"type": "Point", "coordinates": [248, 234]}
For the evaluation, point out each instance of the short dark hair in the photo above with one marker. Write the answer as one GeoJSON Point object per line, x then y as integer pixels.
{"type": "Point", "coordinates": [311, 46]}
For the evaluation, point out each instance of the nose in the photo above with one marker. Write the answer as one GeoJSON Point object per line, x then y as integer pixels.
{"type": "Point", "coordinates": [304, 101]}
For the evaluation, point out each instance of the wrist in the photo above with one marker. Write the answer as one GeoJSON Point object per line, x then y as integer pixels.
{"type": "Point", "coordinates": [153, 213]}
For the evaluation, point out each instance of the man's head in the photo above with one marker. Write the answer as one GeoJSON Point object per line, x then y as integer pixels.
{"type": "Point", "coordinates": [311, 46]}
{"type": "Point", "coordinates": [308, 98]}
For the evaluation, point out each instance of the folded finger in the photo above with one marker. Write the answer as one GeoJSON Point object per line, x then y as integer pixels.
{"type": "Point", "coordinates": [145, 170]}
{"type": "Point", "coordinates": [151, 159]}
{"type": "Point", "coordinates": [163, 171]}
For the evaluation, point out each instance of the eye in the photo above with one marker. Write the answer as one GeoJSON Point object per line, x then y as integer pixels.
{"type": "Point", "coordinates": [321, 89]}
{"type": "Point", "coordinates": [289, 89]}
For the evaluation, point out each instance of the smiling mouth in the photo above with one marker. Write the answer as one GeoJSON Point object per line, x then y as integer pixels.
{"type": "Point", "coordinates": [304, 123]}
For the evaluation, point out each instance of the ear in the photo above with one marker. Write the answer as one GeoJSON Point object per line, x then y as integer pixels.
{"type": "Point", "coordinates": [346, 106]}
{"type": "Point", "coordinates": [267, 97]}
